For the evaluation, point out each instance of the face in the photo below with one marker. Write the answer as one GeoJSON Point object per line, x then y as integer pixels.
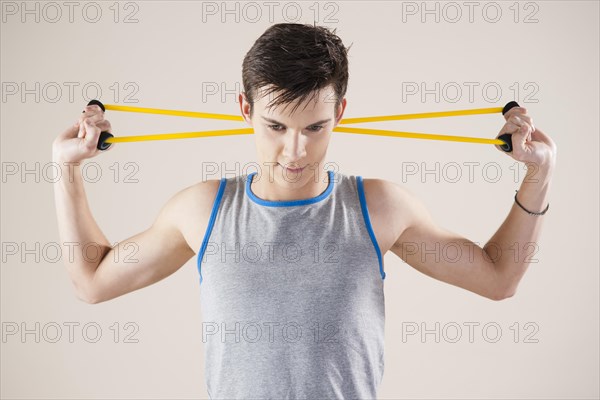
{"type": "Point", "coordinates": [291, 147]}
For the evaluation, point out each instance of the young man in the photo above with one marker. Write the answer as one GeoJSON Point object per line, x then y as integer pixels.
{"type": "Point", "coordinates": [290, 258]}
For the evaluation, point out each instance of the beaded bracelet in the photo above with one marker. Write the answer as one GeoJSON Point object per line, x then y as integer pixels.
{"type": "Point", "coordinates": [530, 212]}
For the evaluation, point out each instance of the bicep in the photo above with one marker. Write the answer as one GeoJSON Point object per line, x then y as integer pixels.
{"type": "Point", "coordinates": [445, 255]}
{"type": "Point", "coordinates": [142, 259]}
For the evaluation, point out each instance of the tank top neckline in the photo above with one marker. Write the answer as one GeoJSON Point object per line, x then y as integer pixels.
{"type": "Point", "coordinates": [289, 203]}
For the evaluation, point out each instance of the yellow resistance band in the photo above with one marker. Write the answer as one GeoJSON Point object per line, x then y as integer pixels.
{"type": "Point", "coordinates": [246, 131]}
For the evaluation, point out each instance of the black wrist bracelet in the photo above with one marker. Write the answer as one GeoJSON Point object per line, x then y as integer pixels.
{"type": "Point", "coordinates": [530, 212]}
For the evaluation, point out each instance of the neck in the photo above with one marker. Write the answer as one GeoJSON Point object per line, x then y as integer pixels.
{"type": "Point", "coordinates": [278, 187]}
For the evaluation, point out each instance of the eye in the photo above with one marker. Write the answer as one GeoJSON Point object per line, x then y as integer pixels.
{"type": "Point", "coordinates": [316, 128]}
{"type": "Point", "coordinates": [276, 127]}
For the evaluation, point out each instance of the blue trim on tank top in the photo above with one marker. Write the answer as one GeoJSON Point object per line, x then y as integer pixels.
{"type": "Point", "coordinates": [365, 212]}
{"type": "Point", "coordinates": [285, 203]}
{"type": "Point", "coordinates": [211, 222]}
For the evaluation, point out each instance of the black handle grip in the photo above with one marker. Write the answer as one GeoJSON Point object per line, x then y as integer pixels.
{"type": "Point", "coordinates": [102, 145]}
{"type": "Point", "coordinates": [97, 103]}
{"type": "Point", "coordinates": [507, 137]}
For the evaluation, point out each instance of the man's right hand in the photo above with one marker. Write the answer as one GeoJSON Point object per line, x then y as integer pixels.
{"type": "Point", "coordinates": [79, 141]}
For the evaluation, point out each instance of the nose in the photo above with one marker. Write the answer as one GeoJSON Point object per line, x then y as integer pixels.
{"type": "Point", "coordinates": [294, 146]}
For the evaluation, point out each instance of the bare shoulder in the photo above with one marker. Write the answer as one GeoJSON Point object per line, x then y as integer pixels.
{"type": "Point", "coordinates": [392, 209]}
{"type": "Point", "coordinates": [190, 209]}
{"type": "Point", "coordinates": [201, 192]}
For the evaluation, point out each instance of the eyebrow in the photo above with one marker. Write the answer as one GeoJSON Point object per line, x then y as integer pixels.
{"type": "Point", "coordinates": [279, 123]}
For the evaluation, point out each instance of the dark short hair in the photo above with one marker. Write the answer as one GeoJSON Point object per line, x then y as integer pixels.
{"type": "Point", "coordinates": [298, 60]}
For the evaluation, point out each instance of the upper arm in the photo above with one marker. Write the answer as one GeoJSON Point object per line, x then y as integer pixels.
{"type": "Point", "coordinates": [146, 257]}
{"type": "Point", "coordinates": [441, 253]}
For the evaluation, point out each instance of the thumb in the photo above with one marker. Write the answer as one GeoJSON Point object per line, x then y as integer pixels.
{"type": "Point", "coordinates": [540, 136]}
{"type": "Point", "coordinates": [92, 132]}
{"type": "Point", "coordinates": [70, 132]}
{"type": "Point", "coordinates": [519, 138]}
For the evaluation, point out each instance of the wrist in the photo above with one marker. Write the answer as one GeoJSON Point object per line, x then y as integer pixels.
{"type": "Point", "coordinates": [61, 159]}
{"type": "Point", "coordinates": [528, 210]}
{"type": "Point", "coordinates": [538, 175]}
{"type": "Point", "coordinates": [545, 168]}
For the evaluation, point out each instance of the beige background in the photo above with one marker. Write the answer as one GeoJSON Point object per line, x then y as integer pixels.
{"type": "Point", "coordinates": [170, 56]}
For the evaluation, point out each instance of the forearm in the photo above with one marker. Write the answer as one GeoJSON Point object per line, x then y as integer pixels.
{"type": "Point", "coordinates": [514, 245]}
{"type": "Point", "coordinates": [82, 241]}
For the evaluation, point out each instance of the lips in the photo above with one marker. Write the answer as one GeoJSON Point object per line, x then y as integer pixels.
{"type": "Point", "coordinates": [293, 169]}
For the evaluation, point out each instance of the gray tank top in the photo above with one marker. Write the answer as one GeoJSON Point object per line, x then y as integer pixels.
{"type": "Point", "coordinates": [292, 294]}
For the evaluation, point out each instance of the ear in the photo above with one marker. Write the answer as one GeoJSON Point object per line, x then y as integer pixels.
{"type": "Point", "coordinates": [245, 108]}
{"type": "Point", "coordinates": [340, 112]}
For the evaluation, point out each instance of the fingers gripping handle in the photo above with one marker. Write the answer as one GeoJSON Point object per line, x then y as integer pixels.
{"type": "Point", "coordinates": [507, 137]}
{"type": "Point", "coordinates": [102, 145]}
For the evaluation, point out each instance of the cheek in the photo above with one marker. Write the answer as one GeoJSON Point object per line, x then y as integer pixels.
{"type": "Point", "coordinates": [320, 141]}
{"type": "Point", "coordinates": [266, 143]}
{"type": "Point", "coordinates": [319, 146]}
